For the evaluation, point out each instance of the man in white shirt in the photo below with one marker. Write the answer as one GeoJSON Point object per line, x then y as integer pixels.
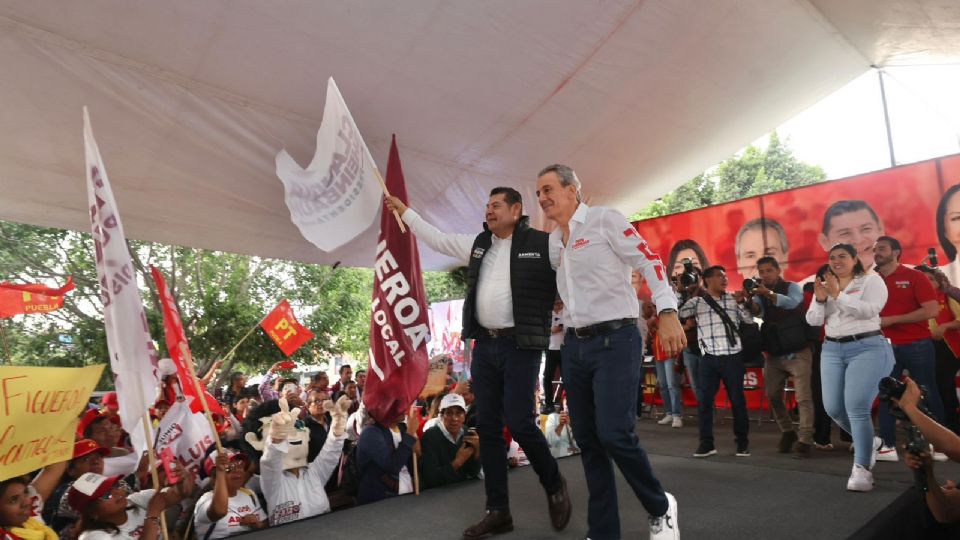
{"type": "Point", "coordinates": [594, 251]}
{"type": "Point", "coordinates": [511, 288]}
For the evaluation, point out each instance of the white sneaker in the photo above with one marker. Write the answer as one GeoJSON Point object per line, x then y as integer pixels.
{"type": "Point", "coordinates": [937, 456]}
{"type": "Point", "coordinates": [666, 527]}
{"type": "Point", "coordinates": [877, 444]}
{"type": "Point", "coordinates": [667, 418]}
{"type": "Point", "coordinates": [860, 479]}
{"type": "Point", "coordinates": [678, 422]}
{"type": "Point", "coordinates": [887, 453]}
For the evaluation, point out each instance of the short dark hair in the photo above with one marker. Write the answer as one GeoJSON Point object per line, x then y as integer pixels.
{"type": "Point", "coordinates": [852, 251]}
{"type": "Point", "coordinates": [87, 431]}
{"type": "Point", "coordinates": [359, 371]}
{"type": "Point", "coordinates": [236, 376]}
{"type": "Point", "coordinates": [713, 270]}
{"type": "Point", "coordinates": [317, 375]}
{"type": "Point", "coordinates": [822, 271]}
{"type": "Point", "coordinates": [768, 260]}
{"type": "Point", "coordinates": [344, 368]}
{"type": "Point", "coordinates": [845, 207]}
{"type": "Point", "coordinates": [947, 245]}
{"type": "Point", "coordinates": [894, 244]}
{"type": "Point", "coordinates": [510, 195]}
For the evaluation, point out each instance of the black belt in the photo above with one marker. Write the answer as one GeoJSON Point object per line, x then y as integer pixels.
{"type": "Point", "coordinates": [497, 332]}
{"type": "Point", "coordinates": [854, 337]}
{"type": "Point", "coordinates": [600, 329]}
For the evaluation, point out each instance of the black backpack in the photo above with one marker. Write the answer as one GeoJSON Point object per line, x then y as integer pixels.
{"type": "Point", "coordinates": [350, 471]}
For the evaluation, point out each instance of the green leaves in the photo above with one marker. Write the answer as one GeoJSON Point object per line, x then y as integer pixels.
{"type": "Point", "coordinates": [753, 172]}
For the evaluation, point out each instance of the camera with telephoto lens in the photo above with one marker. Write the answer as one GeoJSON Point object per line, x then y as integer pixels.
{"type": "Point", "coordinates": [890, 389]}
{"type": "Point", "coordinates": [690, 275]}
{"type": "Point", "coordinates": [750, 285]}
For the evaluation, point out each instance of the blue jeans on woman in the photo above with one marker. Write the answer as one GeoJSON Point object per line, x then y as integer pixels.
{"type": "Point", "coordinates": [669, 387]}
{"type": "Point", "coordinates": [692, 361]}
{"type": "Point", "coordinates": [850, 373]}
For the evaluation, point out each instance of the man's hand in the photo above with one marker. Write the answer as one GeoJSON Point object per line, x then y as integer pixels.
{"type": "Point", "coordinates": [937, 333]}
{"type": "Point", "coordinates": [413, 420]}
{"type": "Point", "coordinates": [888, 321]}
{"type": "Point", "coordinates": [672, 338]}
{"type": "Point", "coordinates": [762, 290]}
{"type": "Point", "coordinates": [394, 204]}
{"type": "Point", "coordinates": [910, 398]}
{"type": "Point", "coordinates": [276, 366]}
{"type": "Point", "coordinates": [917, 462]}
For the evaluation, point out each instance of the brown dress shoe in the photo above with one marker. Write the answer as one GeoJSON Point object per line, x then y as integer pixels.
{"type": "Point", "coordinates": [495, 522]}
{"type": "Point", "coordinates": [559, 505]}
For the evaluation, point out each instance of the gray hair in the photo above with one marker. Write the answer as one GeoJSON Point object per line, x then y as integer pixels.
{"type": "Point", "coordinates": [763, 223]}
{"type": "Point", "coordinates": [566, 175]}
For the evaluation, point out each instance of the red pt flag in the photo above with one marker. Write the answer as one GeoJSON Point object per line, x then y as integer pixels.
{"type": "Point", "coordinates": [25, 298]}
{"type": "Point", "coordinates": [399, 328]}
{"type": "Point", "coordinates": [284, 329]}
{"type": "Point", "coordinates": [176, 341]}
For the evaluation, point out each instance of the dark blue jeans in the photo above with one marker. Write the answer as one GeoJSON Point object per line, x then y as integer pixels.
{"type": "Point", "coordinates": [601, 375]}
{"type": "Point", "coordinates": [730, 370]}
{"type": "Point", "coordinates": [505, 384]}
{"type": "Point", "coordinates": [920, 359]}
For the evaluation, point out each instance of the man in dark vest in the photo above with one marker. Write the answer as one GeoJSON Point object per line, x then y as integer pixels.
{"type": "Point", "coordinates": [778, 303]}
{"type": "Point", "coordinates": [510, 292]}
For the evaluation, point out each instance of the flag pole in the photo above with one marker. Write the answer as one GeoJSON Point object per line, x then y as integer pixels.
{"type": "Point", "coordinates": [188, 359]}
{"type": "Point", "coordinates": [151, 456]}
{"type": "Point", "coordinates": [234, 349]}
{"type": "Point", "coordinates": [387, 193]}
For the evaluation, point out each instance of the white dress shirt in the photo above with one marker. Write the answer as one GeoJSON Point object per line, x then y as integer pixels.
{"type": "Point", "coordinates": [556, 338]}
{"type": "Point", "coordinates": [855, 311]}
{"type": "Point", "coordinates": [494, 306]}
{"type": "Point", "coordinates": [593, 269]}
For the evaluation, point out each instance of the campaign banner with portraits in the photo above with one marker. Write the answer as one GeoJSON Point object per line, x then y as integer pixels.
{"type": "Point", "coordinates": [916, 204]}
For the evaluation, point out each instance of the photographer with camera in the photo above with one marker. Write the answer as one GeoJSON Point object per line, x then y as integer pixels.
{"type": "Point", "coordinates": [450, 453]}
{"type": "Point", "coordinates": [942, 501]}
{"type": "Point", "coordinates": [687, 285]}
{"type": "Point", "coordinates": [715, 312]}
{"type": "Point", "coordinates": [784, 339]}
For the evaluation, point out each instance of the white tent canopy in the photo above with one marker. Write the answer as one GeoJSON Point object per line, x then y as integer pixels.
{"type": "Point", "coordinates": [191, 101]}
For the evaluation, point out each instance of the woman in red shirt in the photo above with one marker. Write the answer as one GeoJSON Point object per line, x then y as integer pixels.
{"type": "Point", "coordinates": [945, 329]}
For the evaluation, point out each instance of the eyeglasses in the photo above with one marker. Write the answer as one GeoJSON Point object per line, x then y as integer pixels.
{"type": "Point", "coordinates": [234, 466]}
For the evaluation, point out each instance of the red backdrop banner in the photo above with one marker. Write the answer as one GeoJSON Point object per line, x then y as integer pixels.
{"type": "Point", "coordinates": [797, 226]}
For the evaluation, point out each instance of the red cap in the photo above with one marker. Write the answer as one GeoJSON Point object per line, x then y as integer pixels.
{"type": "Point", "coordinates": [87, 446]}
{"type": "Point", "coordinates": [109, 400]}
{"type": "Point", "coordinates": [209, 464]}
{"type": "Point", "coordinates": [88, 488]}
{"type": "Point", "coordinates": [88, 418]}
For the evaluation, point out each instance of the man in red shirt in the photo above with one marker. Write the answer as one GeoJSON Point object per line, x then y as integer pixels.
{"type": "Point", "coordinates": [911, 302]}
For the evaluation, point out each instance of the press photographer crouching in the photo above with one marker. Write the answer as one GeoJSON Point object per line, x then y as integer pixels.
{"type": "Point", "coordinates": [943, 501]}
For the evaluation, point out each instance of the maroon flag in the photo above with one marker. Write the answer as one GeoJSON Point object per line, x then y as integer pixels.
{"type": "Point", "coordinates": [399, 328]}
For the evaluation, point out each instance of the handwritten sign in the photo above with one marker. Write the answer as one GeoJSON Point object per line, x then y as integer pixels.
{"type": "Point", "coordinates": [38, 413]}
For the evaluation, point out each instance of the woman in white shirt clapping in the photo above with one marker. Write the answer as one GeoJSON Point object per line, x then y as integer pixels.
{"type": "Point", "coordinates": [855, 355]}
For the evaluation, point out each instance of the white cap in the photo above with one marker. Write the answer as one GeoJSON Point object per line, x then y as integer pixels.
{"type": "Point", "coordinates": [453, 400]}
{"type": "Point", "coordinates": [166, 367]}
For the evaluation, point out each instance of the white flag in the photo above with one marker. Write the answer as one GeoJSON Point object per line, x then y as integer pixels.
{"type": "Point", "coordinates": [338, 195]}
{"type": "Point", "coordinates": [186, 433]}
{"type": "Point", "coordinates": [133, 358]}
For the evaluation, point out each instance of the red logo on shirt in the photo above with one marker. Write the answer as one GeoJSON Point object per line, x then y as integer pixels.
{"type": "Point", "coordinates": [630, 232]}
{"type": "Point", "coordinates": [581, 243]}
{"type": "Point", "coordinates": [903, 284]}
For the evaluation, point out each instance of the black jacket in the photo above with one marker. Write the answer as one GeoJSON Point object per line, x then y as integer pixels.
{"type": "Point", "coordinates": [533, 285]}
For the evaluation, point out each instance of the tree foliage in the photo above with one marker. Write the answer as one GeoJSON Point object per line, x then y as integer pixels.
{"type": "Point", "coordinates": [220, 296]}
{"type": "Point", "coordinates": [753, 172]}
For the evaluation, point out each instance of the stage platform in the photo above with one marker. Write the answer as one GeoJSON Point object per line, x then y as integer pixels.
{"type": "Point", "coordinates": [764, 496]}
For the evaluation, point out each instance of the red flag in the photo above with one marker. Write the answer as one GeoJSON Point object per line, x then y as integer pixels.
{"type": "Point", "coordinates": [18, 299]}
{"type": "Point", "coordinates": [179, 350]}
{"type": "Point", "coordinates": [284, 329]}
{"type": "Point", "coordinates": [399, 328]}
